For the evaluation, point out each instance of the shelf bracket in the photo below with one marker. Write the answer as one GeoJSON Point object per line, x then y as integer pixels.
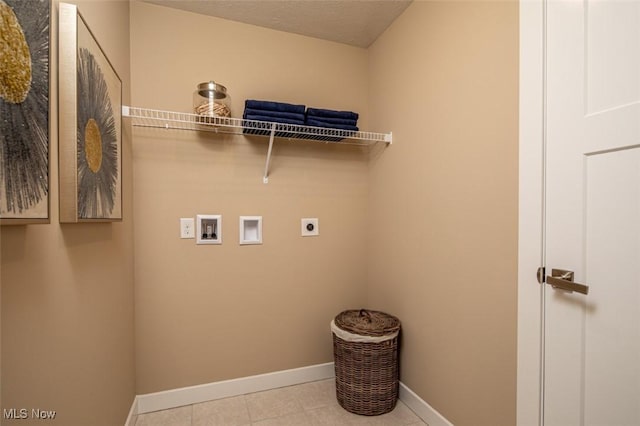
{"type": "Point", "coordinates": [265, 179]}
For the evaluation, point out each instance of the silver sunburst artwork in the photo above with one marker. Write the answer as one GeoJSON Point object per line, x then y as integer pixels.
{"type": "Point", "coordinates": [24, 110]}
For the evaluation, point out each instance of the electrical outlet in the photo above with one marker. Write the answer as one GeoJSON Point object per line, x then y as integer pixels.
{"type": "Point", "coordinates": [187, 227]}
{"type": "Point", "coordinates": [310, 227]}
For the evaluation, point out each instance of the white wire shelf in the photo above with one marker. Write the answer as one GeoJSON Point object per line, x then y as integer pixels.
{"type": "Point", "coordinates": [143, 117]}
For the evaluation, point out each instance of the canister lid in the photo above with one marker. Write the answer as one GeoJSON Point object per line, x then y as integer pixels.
{"type": "Point", "coordinates": [212, 88]}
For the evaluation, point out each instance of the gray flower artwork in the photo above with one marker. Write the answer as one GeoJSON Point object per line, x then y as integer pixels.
{"type": "Point", "coordinates": [97, 141]}
{"type": "Point", "coordinates": [24, 108]}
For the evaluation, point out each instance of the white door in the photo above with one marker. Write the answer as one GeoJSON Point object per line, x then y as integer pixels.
{"type": "Point", "coordinates": [592, 207]}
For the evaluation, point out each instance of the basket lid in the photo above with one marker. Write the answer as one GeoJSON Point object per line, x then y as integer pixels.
{"type": "Point", "coordinates": [367, 323]}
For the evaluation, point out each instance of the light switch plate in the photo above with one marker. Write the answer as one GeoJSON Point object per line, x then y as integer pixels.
{"type": "Point", "coordinates": [187, 227]}
{"type": "Point", "coordinates": [310, 227]}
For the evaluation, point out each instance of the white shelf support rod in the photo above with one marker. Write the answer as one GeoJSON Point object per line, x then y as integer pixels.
{"type": "Point", "coordinates": [265, 179]}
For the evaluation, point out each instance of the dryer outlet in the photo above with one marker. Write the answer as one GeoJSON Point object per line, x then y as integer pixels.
{"type": "Point", "coordinates": [310, 227]}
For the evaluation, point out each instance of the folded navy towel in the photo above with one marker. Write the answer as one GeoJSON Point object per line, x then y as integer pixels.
{"type": "Point", "coordinates": [349, 115]}
{"type": "Point", "coordinates": [274, 114]}
{"type": "Point", "coordinates": [331, 120]}
{"type": "Point", "coordinates": [274, 106]}
{"type": "Point", "coordinates": [273, 119]}
{"type": "Point", "coordinates": [316, 123]}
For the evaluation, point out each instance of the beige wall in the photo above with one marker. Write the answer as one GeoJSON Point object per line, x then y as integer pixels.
{"type": "Point", "coordinates": [208, 313]}
{"type": "Point", "coordinates": [67, 290]}
{"type": "Point", "coordinates": [447, 194]}
{"type": "Point", "coordinates": [424, 229]}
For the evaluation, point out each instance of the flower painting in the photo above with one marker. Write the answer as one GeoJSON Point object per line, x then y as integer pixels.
{"type": "Point", "coordinates": [91, 152]}
{"type": "Point", "coordinates": [24, 110]}
{"type": "Point", "coordinates": [97, 141]}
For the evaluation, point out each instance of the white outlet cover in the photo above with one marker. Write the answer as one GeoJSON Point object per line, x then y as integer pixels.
{"type": "Point", "coordinates": [187, 227]}
{"type": "Point", "coordinates": [309, 227]}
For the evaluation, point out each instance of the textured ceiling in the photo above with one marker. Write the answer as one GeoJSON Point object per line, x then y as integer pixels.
{"type": "Point", "coordinates": [354, 22]}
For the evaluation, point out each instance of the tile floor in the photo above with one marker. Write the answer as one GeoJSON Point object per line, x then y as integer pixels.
{"type": "Point", "coordinates": [309, 404]}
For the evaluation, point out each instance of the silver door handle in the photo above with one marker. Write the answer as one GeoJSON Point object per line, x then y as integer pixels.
{"type": "Point", "coordinates": [563, 279]}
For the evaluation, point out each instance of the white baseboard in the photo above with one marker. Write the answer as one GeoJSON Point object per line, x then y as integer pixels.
{"type": "Point", "coordinates": [228, 388]}
{"type": "Point", "coordinates": [211, 391]}
{"type": "Point", "coordinates": [133, 413]}
{"type": "Point", "coordinates": [427, 413]}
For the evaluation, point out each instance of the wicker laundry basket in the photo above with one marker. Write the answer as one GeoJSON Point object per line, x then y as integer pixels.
{"type": "Point", "coordinates": [365, 349]}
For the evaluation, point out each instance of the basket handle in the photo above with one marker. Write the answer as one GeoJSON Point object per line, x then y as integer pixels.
{"type": "Point", "coordinates": [366, 314]}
